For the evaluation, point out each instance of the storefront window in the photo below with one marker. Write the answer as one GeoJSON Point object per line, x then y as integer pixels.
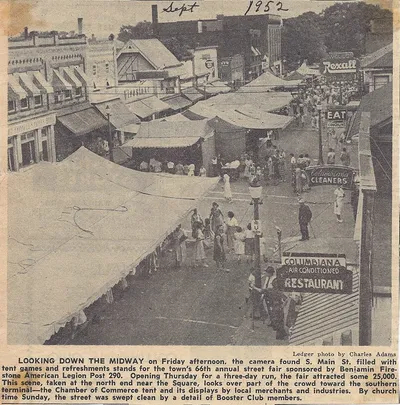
{"type": "Point", "coordinates": [38, 101]}
{"type": "Point", "coordinates": [24, 103]}
{"type": "Point", "coordinates": [68, 94]}
{"type": "Point", "coordinates": [78, 91]}
{"type": "Point", "coordinates": [11, 106]}
{"type": "Point", "coordinates": [58, 96]}
{"type": "Point", "coordinates": [380, 81]}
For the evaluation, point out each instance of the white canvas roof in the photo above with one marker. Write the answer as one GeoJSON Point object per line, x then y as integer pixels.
{"type": "Point", "coordinates": [76, 228]}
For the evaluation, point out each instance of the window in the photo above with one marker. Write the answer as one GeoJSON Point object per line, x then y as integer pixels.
{"type": "Point", "coordinates": [24, 103]}
{"type": "Point", "coordinates": [58, 97]}
{"type": "Point", "coordinates": [38, 101]}
{"type": "Point", "coordinates": [78, 92]}
{"type": "Point", "coordinates": [107, 68]}
{"type": "Point", "coordinates": [68, 94]}
{"type": "Point", "coordinates": [380, 81]}
{"type": "Point", "coordinates": [11, 106]}
{"type": "Point", "coordinates": [94, 70]}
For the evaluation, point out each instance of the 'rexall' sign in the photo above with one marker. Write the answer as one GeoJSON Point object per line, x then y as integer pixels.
{"type": "Point", "coordinates": [314, 273]}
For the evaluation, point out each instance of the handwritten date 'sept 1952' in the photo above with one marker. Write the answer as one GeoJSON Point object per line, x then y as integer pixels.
{"type": "Point", "coordinates": [265, 6]}
{"type": "Point", "coordinates": [182, 9]}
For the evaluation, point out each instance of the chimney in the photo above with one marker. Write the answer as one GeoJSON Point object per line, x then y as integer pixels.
{"type": "Point", "coordinates": [80, 25]}
{"type": "Point", "coordinates": [26, 33]}
{"type": "Point", "coordinates": [154, 19]}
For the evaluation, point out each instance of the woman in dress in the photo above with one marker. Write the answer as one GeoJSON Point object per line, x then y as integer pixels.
{"type": "Point", "coordinates": [199, 254]}
{"type": "Point", "coordinates": [191, 169]}
{"type": "Point", "coordinates": [219, 249]}
{"type": "Point", "coordinates": [227, 188]}
{"type": "Point", "coordinates": [239, 243]}
{"type": "Point", "coordinates": [179, 240]}
{"type": "Point", "coordinates": [247, 163]}
{"type": "Point", "coordinates": [338, 204]}
{"type": "Point", "coordinates": [231, 225]}
{"type": "Point", "coordinates": [216, 217]}
{"type": "Point", "coordinates": [249, 243]}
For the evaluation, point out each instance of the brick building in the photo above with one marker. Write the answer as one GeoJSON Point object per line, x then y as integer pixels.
{"type": "Point", "coordinates": [254, 38]}
{"type": "Point", "coordinates": [46, 80]}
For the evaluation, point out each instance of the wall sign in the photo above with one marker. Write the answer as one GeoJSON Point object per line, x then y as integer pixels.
{"type": "Point", "coordinates": [331, 174]}
{"type": "Point", "coordinates": [314, 273]}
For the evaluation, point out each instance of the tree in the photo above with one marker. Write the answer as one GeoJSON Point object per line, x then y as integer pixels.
{"type": "Point", "coordinates": [177, 48]}
{"type": "Point", "coordinates": [346, 25]}
{"type": "Point", "coordinates": [302, 39]}
{"type": "Point", "coordinates": [142, 30]}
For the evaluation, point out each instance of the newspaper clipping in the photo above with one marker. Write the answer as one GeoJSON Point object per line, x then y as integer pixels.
{"type": "Point", "coordinates": [199, 202]}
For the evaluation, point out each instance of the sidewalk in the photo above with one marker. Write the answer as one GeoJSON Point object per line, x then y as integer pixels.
{"type": "Point", "coordinates": [326, 234]}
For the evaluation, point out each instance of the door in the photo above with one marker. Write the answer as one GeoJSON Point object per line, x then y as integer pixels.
{"type": "Point", "coordinates": [28, 153]}
{"type": "Point", "coordinates": [45, 151]}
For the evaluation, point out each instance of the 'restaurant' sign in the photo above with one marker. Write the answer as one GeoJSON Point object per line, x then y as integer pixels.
{"type": "Point", "coordinates": [330, 174]}
{"type": "Point", "coordinates": [314, 273]}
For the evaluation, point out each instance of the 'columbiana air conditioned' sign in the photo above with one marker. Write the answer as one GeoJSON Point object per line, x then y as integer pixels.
{"type": "Point", "coordinates": [315, 273]}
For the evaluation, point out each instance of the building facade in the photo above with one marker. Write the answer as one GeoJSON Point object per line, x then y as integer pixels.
{"type": "Point", "coordinates": [46, 75]}
{"type": "Point", "coordinates": [257, 38]}
{"type": "Point", "coordinates": [101, 66]}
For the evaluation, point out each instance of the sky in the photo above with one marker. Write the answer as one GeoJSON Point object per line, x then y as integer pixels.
{"type": "Point", "coordinates": [102, 17]}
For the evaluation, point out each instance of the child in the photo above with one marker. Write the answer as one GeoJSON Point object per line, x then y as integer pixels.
{"type": "Point", "coordinates": [239, 238]}
{"type": "Point", "coordinates": [249, 243]}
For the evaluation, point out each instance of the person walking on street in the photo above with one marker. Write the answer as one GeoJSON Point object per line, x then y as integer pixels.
{"type": "Point", "coordinates": [305, 216]}
{"type": "Point", "coordinates": [239, 237]}
{"type": "Point", "coordinates": [219, 248]}
{"type": "Point", "coordinates": [216, 217]}
{"type": "Point", "coordinates": [331, 157]}
{"type": "Point", "coordinates": [338, 204]}
{"type": "Point", "coordinates": [179, 243]}
{"type": "Point", "coordinates": [194, 220]}
{"type": "Point", "coordinates": [202, 171]}
{"type": "Point", "coordinates": [231, 225]}
{"type": "Point", "coordinates": [345, 157]}
{"type": "Point", "coordinates": [199, 253]}
{"type": "Point", "coordinates": [249, 243]}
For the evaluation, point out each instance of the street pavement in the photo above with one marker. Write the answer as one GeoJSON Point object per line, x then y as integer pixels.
{"type": "Point", "coordinates": [204, 306]}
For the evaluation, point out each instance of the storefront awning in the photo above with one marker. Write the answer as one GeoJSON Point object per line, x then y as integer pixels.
{"type": "Point", "coordinates": [82, 122]}
{"type": "Point", "coordinates": [217, 87]}
{"type": "Point", "coordinates": [326, 317]}
{"type": "Point", "coordinates": [42, 83]}
{"type": "Point", "coordinates": [148, 106]}
{"type": "Point", "coordinates": [15, 89]}
{"type": "Point", "coordinates": [177, 102]}
{"type": "Point", "coordinates": [59, 82]}
{"type": "Point", "coordinates": [81, 75]}
{"type": "Point", "coordinates": [192, 94]}
{"type": "Point", "coordinates": [120, 114]}
{"type": "Point", "coordinates": [28, 85]}
{"type": "Point", "coordinates": [182, 142]}
{"type": "Point", "coordinates": [70, 77]}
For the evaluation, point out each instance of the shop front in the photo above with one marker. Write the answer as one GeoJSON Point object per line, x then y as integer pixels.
{"type": "Point", "coordinates": [30, 141]}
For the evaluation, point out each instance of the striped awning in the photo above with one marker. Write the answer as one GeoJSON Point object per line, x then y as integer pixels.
{"type": "Point", "coordinates": [71, 78]}
{"type": "Point", "coordinates": [28, 85]}
{"type": "Point", "coordinates": [325, 318]}
{"type": "Point", "coordinates": [15, 91]}
{"type": "Point", "coordinates": [177, 102]}
{"type": "Point", "coordinates": [59, 82]}
{"type": "Point", "coordinates": [82, 122]}
{"type": "Point", "coordinates": [42, 83]}
{"type": "Point", "coordinates": [81, 75]}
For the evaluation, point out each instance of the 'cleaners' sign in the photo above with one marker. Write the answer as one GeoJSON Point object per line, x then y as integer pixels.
{"type": "Point", "coordinates": [330, 175]}
{"type": "Point", "coordinates": [314, 273]}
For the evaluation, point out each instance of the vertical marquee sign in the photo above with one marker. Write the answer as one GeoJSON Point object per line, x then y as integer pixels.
{"type": "Point", "coordinates": [314, 273]}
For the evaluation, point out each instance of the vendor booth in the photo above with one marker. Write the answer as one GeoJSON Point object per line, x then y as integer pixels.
{"type": "Point", "coordinates": [79, 227]}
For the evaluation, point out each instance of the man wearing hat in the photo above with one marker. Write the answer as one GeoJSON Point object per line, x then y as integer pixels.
{"type": "Point", "coordinates": [305, 216]}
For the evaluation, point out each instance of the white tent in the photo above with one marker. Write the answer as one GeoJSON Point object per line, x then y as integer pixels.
{"type": "Point", "coordinates": [307, 71]}
{"type": "Point", "coordinates": [78, 227]}
{"type": "Point", "coordinates": [267, 82]}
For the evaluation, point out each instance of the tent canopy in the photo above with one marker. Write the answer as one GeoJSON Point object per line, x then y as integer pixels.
{"type": "Point", "coordinates": [307, 71]}
{"type": "Point", "coordinates": [268, 81]}
{"type": "Point", "coordinates": [76, 228]}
